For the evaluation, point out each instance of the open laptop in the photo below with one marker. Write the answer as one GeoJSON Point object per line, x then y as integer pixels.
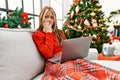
{"type": "Point", "coordinates": [73, 49]}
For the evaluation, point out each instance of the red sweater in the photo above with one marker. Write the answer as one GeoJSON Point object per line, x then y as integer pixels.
{"type": "Point", "coordinates": [46, 43]}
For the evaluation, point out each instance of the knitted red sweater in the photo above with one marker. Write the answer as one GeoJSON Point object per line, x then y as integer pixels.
{"type": "Point", "coordinates": [46, 43]}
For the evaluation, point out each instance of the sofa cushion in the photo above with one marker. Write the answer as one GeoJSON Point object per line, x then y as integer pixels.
{"type": "Point", "coordinates": [19, 57]}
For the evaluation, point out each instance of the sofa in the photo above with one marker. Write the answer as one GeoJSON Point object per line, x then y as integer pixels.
{"type": "Point", "coordinates": [20, 59]}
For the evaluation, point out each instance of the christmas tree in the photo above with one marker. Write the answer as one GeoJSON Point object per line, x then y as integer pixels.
{"type": "Point", "coordinates": [86, 19]}
{"type": "Point", "coordinates": [16, 19]}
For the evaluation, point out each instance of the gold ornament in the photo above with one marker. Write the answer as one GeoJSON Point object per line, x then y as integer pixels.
{"type": "Point", "coordinates": [92, 14]}
{"type": "Point", "coordinates": [95, 9]}
{"type": "Point", "coordinates": [89, 34]}
{"type": "Point", "coordinates": [94, 36]}
{"type": "Point", "coordinates": [93, 42]}
{"type": "Point", "coordinates": [85, 34]}
{"type": "Point", "coordinates": [79, 27]}
{"type": "Point", "coordinates": [104, 19]}
{"type": "Point", "coordinates": [103, 28]}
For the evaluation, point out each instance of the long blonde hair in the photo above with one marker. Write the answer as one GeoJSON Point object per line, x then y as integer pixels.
{"type": "Point", "coordinates": [55, 29]}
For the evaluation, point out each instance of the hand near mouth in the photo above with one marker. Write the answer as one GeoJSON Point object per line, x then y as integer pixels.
{"type": "Point", "coordinates": [47, 27]}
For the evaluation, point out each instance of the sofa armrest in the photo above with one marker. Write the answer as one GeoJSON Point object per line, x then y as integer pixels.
{"type": "Point", "coordinates": [92, 54]}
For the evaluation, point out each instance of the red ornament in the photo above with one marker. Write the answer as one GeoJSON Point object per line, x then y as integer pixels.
{"type": "Point", "coordinates": [29, 23]}
{"type": "Point", "coordinates": [98, 38]}
{"type": "Point", "coordinates": [75, 25]}
{"type": "Point", "coordinates": [6, 26]}
{"type": "Point", "coordinates": [11, 14]}
{"type": "Point", "coordinates": [94, 0]}
{"type": "Point", "coordinates": [76, 1]}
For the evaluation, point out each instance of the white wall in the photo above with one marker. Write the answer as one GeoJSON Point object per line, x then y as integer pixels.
{"type": "Point", "coordinates": [109, 5]}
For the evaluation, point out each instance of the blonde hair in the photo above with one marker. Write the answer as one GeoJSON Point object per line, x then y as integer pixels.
{"type": "Point", "coordinates": [55, 29]}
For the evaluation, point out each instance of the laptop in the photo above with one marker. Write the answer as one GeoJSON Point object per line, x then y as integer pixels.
{"type": "Point", "coordinates": [73, 49]}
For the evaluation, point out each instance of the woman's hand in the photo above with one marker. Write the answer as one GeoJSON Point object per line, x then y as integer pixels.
{"type": "Point", "coordinates": [47, 27]}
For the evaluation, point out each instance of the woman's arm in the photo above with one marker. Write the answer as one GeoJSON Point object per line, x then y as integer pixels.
{"type": "Point", "coordinates": [44, 43]}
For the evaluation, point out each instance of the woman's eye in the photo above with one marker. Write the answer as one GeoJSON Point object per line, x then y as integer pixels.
{"type": "Point", "coordinates": [46, 16]}
{"type": "Point", "coordinates": [52, 17]}
{"type": "Point", "coordinates": [49, 17]}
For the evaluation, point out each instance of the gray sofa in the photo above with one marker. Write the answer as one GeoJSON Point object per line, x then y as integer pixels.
{"type": "Point", "coordinates": [19, 57]}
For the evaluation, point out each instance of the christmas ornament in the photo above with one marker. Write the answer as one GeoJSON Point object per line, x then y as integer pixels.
{"type": "Point", "coordinates": [11, 13]}
{"type": "Point", "coordinates": [94, 22]}
{"type": "Point", "coordinates": [94, 36]}
{"type": "Point", "coordinates": [104, 19]}
{"type": "Point", "coordinates": [19, 26]}
{"type": "Point", "coordinates": [98, 38]}
{"type": "Point", "coordinates": [94, 0]}
{"type": "Point", "coordinates": [87, 23]}
{"type": "Point", "coordinates": [75, 25]}
{"type": "Point", "coordinates": [72, 13]}
{"type": "Point", "coordinates": [77, 9]}
{"type": "Point", "coordinates": [89, 34]}
{"type": "Point", "coordinates": [103, 28]}
{"type": "Point", "coordinates": [79, 28]}
{"type": "Point", "coordinates": [6, 26]}
{"type": "Point", "coordinates": [95, 9]}
{"type": "Point", "coordinates": [76, 1]}
{"type": "Point", "coordinates": [81, 2]}
{"type": "Point", "coordinates": [93, 42]}
{"type": "Point", "coordinates": [85, 34]}
{"type": "Point", "coordinates": [92, 14]}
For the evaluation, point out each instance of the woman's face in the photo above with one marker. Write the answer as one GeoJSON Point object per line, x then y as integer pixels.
{"type": "Point", "coordinates": [49, 18]}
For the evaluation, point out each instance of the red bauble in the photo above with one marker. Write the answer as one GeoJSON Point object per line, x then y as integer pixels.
{"type": "Point", "coordinates": [11, 14]}
{"type": "Point", "coordinates": [98, 38]}
{"type": "Point", "coordinates": [6, 26]}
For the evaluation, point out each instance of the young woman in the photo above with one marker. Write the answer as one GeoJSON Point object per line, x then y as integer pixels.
{"type": "Point", "coordinates": [48, 39]}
